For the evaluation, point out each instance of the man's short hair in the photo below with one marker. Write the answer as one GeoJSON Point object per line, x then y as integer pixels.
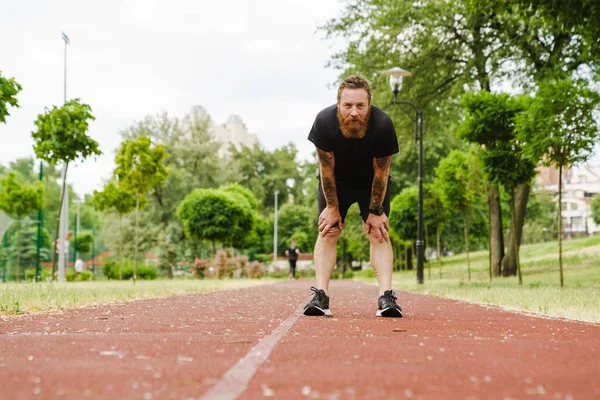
{"type": "Point", "coordinates": [354, 82]}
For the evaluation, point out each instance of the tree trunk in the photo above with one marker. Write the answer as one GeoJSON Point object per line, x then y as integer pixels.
{"type": "Point", "coordinates": [137, 227]}
{"type": "Point", "coordinates": [426, 244]}
{"type": "Point", "coordinates": [62, 198]}
{"type": "Point", "coordinates": [409, 254]}
{"type": "Point", "coordinates": [495, 227]}
{"type": "Point", "coordinates": [120, 255]}
{"type": "Point", "coordinates": [560, 226]}
{"type": "Point", "coordinates": [438, 235]}
{"type": "Point", "coordinates": [464, 215]}
{"type": "Point", "coordinates": [512, 205]}
{"type": "Point", "coordinates": [18, 270]}
{"type": "Point", "coordinates": [509, 262]}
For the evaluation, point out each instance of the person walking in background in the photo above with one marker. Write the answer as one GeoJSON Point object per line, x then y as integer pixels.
{"type": "Point", "coordinates": [355, 142]}
{"type": "Point", "coordinates": [292, 252]}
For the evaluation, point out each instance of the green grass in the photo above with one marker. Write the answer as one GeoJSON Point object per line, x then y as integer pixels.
{"type": "Point", "coordinates": [19, 298]}
{"type": "Point", "coordinates": [541, 292]}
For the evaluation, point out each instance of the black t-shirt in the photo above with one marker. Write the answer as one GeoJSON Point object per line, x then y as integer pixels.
{"type": "Point", "coordinates": [354, 157]}
{"type": "Point", "coordinates": [292, 256]}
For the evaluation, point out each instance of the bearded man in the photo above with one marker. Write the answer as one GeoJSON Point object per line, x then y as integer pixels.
{"type": "Point", "coordinates": [355, 142]}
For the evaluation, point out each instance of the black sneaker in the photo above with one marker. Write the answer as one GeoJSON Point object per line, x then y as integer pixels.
{"type": "Point", "coordinates": [388, 306]}
{"type": "Point", "coordinates": [319, 305]}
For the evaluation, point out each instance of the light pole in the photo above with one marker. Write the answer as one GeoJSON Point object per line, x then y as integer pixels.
{"type": "Point", "coordinates": [76, 230]}
{"type": "Point", "coordinates": [38, 265]}
{"type": "Point", "coordinates": [64, 211]}
{"type": "Point", "coordinates": [396, 75]}
{"type": "Point", "coordinates": [275, 231]}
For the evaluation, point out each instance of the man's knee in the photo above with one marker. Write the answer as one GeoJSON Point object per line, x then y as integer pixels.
{"type": "Point", "coordinates": [332, 234]}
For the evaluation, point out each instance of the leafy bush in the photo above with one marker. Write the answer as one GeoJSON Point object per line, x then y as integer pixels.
{"type": "Point", "coordinates": [146, 272]}
{"type": "Point", "coordinates": [73, 276]}
{"type": "Point", "coordinates": [30, 274]}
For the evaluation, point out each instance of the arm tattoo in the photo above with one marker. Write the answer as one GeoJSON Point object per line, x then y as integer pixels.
{"type": "Point", "coordinates": [382, 163]}
{"type": "Point", "coordinates": [329, 190]}
{"type": "Point", "coordinates": [327, 161]}
{"type": "Point", "coordinates": [378, 191]}
{"type": "Point", "coordinates": [325, 158]}
{"type": "Point", "coordinates": [381, 166]}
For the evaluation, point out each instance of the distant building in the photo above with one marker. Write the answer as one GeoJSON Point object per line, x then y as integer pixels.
{"type": "Point", "coordinates": [233, 132]}
{"type": "Point", "coordinates": [578, 186]}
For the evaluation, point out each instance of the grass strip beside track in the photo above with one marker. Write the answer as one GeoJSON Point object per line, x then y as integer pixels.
{"type": "Point", "coordinates": [541, 292]}
{"type": "Point", "coordinates": [19, 298]}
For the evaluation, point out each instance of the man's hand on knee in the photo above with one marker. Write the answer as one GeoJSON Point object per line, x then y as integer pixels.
{"type": "Point", "coordinates": [377, 227]}
{"type": "Point", "coordinates": [330, 218]}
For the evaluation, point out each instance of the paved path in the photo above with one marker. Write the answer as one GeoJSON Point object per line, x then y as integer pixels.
{"type": "Point", "coordinates": [252, 343]}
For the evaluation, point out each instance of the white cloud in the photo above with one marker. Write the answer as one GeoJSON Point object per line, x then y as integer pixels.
{"type": "Point", "coordinates": [262, 60]}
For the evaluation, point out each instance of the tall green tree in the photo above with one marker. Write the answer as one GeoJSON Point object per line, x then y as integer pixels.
{"type": "Point", "coordinates": [114, 197]}
{"type": "Point", "coordinates": [18, 200]}
{"type": "Point", "coordinates": [560, 128]}
{"type": "Point", "coordinates": [61, 136]}
{"type": "Point", "coordinates": [459, 188]}
{"type": "Point", "coordinates": [9, 89]}
{"type": "Point", "coordinates": [139, 169]}
{"type": "Point", "coordinates": [490, 122]}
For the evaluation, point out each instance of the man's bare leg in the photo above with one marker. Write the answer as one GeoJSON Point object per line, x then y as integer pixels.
{"type": "Point", "coordinates": [325, 257]}
{"type": "Point", "coordinates": [382, 261]}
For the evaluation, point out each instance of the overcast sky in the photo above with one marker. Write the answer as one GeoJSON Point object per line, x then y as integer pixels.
{"type": "Point", "coordinates": [262, 60]}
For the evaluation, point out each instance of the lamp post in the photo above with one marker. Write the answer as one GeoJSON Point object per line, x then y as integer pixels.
{"type": "Point", "coordinates": [38, 266]}
{"type": "Point", "coordinates": [396, 74]}
{"type": "Point", "coordinates": [64, 212]}
{"type": "Point", "coordinates": [275, 231]}
{"type": "Point", "coordinates": [77, 223]}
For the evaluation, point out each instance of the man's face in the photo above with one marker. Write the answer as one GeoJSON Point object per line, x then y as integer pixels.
{"type": "Point", "coordinates": [354, 111]}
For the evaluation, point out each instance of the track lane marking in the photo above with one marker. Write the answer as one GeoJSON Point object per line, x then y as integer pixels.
{"type": "Point", "coordinates": [236, 379]}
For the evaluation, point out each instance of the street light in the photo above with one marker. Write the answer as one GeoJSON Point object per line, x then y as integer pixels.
{"type": "Point", "coordinates": [63, 255]}
{"type": "Point", "coordinates": [275, 231]}
{"type": "Point", "coordinates": [396, 74]}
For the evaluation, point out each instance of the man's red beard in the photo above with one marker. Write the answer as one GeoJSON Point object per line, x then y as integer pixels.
{"type": "Point", "coordinates": [353, 128]}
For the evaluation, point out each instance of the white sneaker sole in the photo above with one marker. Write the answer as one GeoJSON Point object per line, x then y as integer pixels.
{"type": "Point", "coordinates": [317, 311]}
{"type": "Point", "coordinates": [389, 312]}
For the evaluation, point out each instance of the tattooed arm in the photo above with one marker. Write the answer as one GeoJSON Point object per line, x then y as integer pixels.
{"type": "Point", "coordinates": [381, 166]}
{"type": "Point", "coordinates": [378, 224]}
{"type": "Point", "coordinates": [331, 214]}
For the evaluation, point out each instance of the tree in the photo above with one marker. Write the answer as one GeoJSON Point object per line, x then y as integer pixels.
{"type": "Point", "coordinates": [123, 202]}
{"type": "Point", "coordinates": [437, 216]}
{"type": "Point", "coordinates": [214, 215]}
{"type": "Point", "coordinates": [293, 221]}
{"type": "Point", "coordinates": [9, 89]}
{"type": "Point", "coordinates": [489, 122]}
{"type": "Point", "coordinates": [139, 169]}
{"type": "Point", "coordinates": [458, 188]}
{"type": "Point", "coordinates": [403, 216]}
{"type": "Point", "coordinates": [263, 172]}
{"type": "Point", "coordinates": [84, 242]}
{"type": "Point", "coordinates": [61, 136]}
{"type": "Point", "coordinates": [18, 200]}
{"type": "Point", "coordinates": [559, 128]}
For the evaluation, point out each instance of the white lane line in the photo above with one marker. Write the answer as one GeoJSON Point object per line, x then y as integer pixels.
{"type": "Point", "coordinates": [236, 379]}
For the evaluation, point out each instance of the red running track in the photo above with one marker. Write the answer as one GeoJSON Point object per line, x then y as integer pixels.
{"type": "Point", "coordinates": [252, 343]}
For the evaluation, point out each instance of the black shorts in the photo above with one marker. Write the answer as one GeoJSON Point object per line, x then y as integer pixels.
{"type": "Point", "coordinates": [350, 194]}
